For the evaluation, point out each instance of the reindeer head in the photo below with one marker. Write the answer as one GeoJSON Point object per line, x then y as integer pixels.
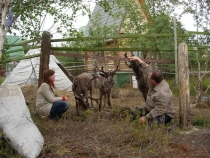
{"type": "Point", "coordinates": [109, 73]}
{"type": "Point", "coordinates": [131, 63]}
{"type": "Point", "coordinates": [107, 78]}
{"type": "Point", "coordinates": [81, 100]}
{"type": "Point", "coordinates": [134, 65]}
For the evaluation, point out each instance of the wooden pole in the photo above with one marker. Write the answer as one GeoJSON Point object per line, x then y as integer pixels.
{"type": "Point", "coordinates": [45, 54]}
{"type": "Point", "coordinates": [175, 50]}
{"type": "Point", "coordinates": [184, 92]}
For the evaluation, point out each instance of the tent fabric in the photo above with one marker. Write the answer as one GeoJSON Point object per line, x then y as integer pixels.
{"type": "Point", "coordinates": [27, 72]}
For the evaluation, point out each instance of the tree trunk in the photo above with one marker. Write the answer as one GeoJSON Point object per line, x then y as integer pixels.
{"type": "Point", "coordinates": [4, 9]}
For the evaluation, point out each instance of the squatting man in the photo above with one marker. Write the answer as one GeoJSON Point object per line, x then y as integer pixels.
{"type": "Point", "coordinates": [159, 105]}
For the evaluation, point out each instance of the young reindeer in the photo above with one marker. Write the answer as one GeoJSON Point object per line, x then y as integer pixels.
{"type": "Point", "coordinates": [105, 83]}
{"type": "Point", "coordinates": [141, 80]}
{"type": "Point", "coordinates": [80, 87]}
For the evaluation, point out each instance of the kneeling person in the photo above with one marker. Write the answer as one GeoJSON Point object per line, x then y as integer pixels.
{"type": "Point", "coordinates": [159, 105]}
{"type": "Point", "coordinates": [47, 104]}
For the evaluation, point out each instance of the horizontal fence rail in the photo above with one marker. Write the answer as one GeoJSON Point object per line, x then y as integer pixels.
{"type": "Point", "coordinates": [22, 49]}
{"type": "Point", "coordinates": [122, 49]}
{"type": "Point", "coordinates": [23, 42]}
{"type": "Point", "coordinates": [187, 34]}
{"type": "Point", "coordinates": [59, 49]}
{"type": "Point", "coordinates": [111, 58]}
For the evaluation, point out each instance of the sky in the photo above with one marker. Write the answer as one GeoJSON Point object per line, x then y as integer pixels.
{"type": "Point", "coordinates": [186, 20]}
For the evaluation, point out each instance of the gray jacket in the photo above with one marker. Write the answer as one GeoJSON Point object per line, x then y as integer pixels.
{"type": "Point", "coordinates": [159, 98]}
{"type": "Point", "coordinates": [45, 99]}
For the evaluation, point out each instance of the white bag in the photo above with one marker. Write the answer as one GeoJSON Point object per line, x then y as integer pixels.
{"type": "Point", "coordinates": [16, 122]}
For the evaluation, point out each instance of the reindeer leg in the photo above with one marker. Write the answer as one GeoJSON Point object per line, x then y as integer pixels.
{"type": "Point", "coordinates": [77, 106]}
{"type": "Point", "coordinates": [104, 100]}
{"type": "Point", "coordinates": [109, 99]}
{"type": "Point", "coordinates": [145, 97]}
{"type": "Point", "coordinates": [91, 98]}
{"type": "Point", "coordinates": [100, 102]}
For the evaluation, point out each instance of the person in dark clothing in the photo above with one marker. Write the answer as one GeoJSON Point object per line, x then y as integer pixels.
{"type": "Point", "coordinates": [159, 105]}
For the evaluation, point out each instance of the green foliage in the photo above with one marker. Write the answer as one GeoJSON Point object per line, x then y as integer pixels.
{"type": "Point", "coordinates": [73, 61]}
{"type": "Point", "coordinates": [132, 20]}
{"type": "Point", "coordinates": [201, 121]}
{"type": "Point", "coordinates": [200, 11]}
{"type": "Point", "coordinates": [193, 82]}
{"type": "Point", "coordinates": [30, 16]}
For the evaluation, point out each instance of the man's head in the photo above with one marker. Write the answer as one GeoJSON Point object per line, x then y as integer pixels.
{"type": "Point", "coordinates": [156, 77]}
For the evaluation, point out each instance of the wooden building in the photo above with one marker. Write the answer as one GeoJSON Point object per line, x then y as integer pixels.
{"type": "Point", "coordinates": [109, 20]}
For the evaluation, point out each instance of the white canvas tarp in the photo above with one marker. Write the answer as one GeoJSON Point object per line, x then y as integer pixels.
{"type": "Point", "coordinates": [17, 124]}
{"type": "Point", "coordinates": [27, 72]}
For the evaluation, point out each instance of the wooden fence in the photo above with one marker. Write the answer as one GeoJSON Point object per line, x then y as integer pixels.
{"type": "Point", "coordinates": [183, 66]}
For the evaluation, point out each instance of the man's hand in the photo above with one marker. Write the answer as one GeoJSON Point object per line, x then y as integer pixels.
{"type": "Point", "coordinates": [134, 58]}
{"type": "Point", "coordinates": [143, 119]}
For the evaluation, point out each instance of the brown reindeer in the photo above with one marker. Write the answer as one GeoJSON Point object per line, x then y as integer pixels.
{"type": "Point", "coordinates": [80, 87]}
{"type": "Point", "coordinates": [105, 83]}
{"type": "Point", "coordinates": [141, 80]}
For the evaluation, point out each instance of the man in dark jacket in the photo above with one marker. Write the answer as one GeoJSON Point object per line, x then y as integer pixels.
{"type": "Point", "coordinates": [159, 105]}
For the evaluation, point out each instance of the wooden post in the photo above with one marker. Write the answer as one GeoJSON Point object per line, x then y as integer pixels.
{"type": "Point", "coordinates": [45, 54]}
{"type": "Point", "coordinates": [175, 51]}
{"type": "Point", "coordinates": [184, 93]}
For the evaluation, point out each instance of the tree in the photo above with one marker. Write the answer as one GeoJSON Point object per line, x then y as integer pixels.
{"type": "Point", "coordinates": [151, 17]}
{"type": "Point", "coordinates": [28, 16]}
{"type": "Point", "coordinates": [199, 9]}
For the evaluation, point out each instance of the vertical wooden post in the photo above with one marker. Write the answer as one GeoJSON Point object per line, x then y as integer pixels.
{"type": "Point", "coordinates": [175, 51]}
{"type": "Point", "coordinates": [184, 93]}
{"type": "Point", "coordinates": [45, 54]}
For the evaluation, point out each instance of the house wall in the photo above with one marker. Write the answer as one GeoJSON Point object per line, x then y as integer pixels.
{"type": "Point", "coordinates": [108, 63]}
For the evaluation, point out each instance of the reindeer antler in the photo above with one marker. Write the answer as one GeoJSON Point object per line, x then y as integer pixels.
{"type": "Point", "coordinates": [128, 65]}
{"type": "Point", "coordinates": [102, 69]}
{"type": "Point", "coordinates": [118, 64]}
{"type": "Point", "coordinates": [94, 77]}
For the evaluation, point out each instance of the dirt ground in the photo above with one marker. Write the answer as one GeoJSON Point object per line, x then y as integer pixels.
{"type": "Point", "coordinates": [73, 138]}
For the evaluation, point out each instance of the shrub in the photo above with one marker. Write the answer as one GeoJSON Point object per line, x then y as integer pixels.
{"type": "Point", "coordinates": [201, 121]}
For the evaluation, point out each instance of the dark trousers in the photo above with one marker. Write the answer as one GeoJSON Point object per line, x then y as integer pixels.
{"type": "Point", "coordinates": [58, 108]}
{"type": "Point", "coordinates": [162, 119]}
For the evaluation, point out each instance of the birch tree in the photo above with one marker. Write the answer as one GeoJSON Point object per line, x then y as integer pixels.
{"type": "Point", "coordinates": [28, 17]}
{"type": "Point", "coordinates": [200, 10]}
{"type": "Point", "coordinates": [4, 27]}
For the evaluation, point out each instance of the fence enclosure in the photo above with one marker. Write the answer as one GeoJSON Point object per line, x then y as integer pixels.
{"type": "Point", "coordinates": [110, 61]}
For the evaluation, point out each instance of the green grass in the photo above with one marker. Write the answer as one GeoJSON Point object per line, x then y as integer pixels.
{"type": "Point", "coordinates": [201, 121]}
{"type": "Point", "coordinates": [1, 80]}
{"type": "Point", "coordinates": [6, 151]}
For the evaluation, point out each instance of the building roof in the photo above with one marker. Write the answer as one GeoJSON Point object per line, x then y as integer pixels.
{"type": "Point", "coordinates": [106, 18]}
{"type": "Point", "coordinates": [82, 29]}
{"type": "Point", "coordinates": [114, 18]}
